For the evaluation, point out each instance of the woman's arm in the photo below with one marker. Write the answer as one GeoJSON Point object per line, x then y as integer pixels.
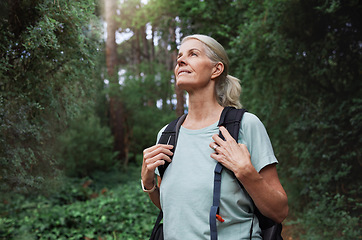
{"type": "Point", "coordinates": [266, 191]}
{"type": "Point", "coordinates": [264, 187]}
{"type": "Point", "coordinates": [155, 195]}
{"type": "Point", "coordinates": [152, 158]}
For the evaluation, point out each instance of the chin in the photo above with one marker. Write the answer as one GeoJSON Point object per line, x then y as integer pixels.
{"type": "Point", "coordinates": [181, 81]}
{"type": "Point", "coordinates": [181, 85]}
{"type": "Point", "coordinates": [184, 85]}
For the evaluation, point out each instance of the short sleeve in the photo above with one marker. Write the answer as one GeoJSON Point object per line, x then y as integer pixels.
{"type": "Point", "coordinates": [254, 135]}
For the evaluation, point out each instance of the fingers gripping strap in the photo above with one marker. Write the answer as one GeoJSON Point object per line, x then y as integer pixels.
{"type": "Point", "coordinates": [169, 137]}
{"type": "Point", "coordinates": [216, 201]}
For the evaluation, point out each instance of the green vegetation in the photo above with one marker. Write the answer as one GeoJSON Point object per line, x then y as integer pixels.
{"type": "Point", "coordinates": [48, 77]}
{"type": "Point", "coordinates": [86, 146]}
{"type": "Point", "coordinates": [108, 205]}
{"type": "Point", "coordinates": [300, 73]}
{"type": "Point", "coordinates": [300, 66]}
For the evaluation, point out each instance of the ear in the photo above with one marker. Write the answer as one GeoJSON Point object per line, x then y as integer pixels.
{"type": "Point", "coordinates": [217, 70]}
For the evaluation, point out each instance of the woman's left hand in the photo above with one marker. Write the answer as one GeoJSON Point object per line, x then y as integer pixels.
{"type": "Point", "coordinates": [232, 155]}
{"type": "Point", "coordinates": [264, 187]}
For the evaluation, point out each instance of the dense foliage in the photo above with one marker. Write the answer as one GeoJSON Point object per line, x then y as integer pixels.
{"type": "Point", "coordinates": [110, 205]}
{"type": "Point", "coordinates": [299, 62]}
{"type": "Point", "coordinates": [48, 56]}
{"type": "Point", "coordinates": [301, 73]}
{"type": "Point", "coordinates": [86, 146]}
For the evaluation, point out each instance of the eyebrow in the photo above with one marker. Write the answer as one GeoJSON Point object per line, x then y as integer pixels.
{"type": "Point", "coordinates": [190, 50]}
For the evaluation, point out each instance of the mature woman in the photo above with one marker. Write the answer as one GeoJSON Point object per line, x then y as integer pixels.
{"type": "Point", "coordinates": [186, 192]}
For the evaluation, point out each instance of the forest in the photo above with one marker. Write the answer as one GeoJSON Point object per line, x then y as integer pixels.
{"type": "Point", "coordinates": [86, 85]}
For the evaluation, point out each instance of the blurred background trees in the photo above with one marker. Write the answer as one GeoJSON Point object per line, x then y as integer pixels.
{"type": "Point", "coordinates": [86, 85]}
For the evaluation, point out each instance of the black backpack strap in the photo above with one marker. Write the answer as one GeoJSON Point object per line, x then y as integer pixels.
{"type": "Point", "coordinates": [169, 136]}
{"type": "Point", "coordinates": [230, 118]}
{"type": "Point", "coordinates": [214, 211]}
{"type": "Point", "coordinates": [157, 230]}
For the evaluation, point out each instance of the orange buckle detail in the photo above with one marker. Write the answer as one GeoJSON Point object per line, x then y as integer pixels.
{"type": "Point", "coordinates": [218, 217]}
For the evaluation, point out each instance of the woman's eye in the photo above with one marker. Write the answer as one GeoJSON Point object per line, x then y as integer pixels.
{"type": "Point", "coordinates": [193, 54]}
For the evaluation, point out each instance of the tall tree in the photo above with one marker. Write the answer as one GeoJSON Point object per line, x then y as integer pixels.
{"type": "Point", "coordinates": [163, 16]}
{"type": "Point", "coordinates": [117, 114]}
{"type": "Point", "coordinates": [147, 67]}
{"type": "Point", "coordinates": [180, 94]}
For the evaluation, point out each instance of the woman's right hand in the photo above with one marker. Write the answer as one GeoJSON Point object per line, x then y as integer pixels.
{"type": "Point", "coordinates": [152, 158]}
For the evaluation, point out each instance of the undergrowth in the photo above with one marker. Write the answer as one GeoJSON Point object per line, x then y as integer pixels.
{"type": "Point", "coordinates": [105, 206]}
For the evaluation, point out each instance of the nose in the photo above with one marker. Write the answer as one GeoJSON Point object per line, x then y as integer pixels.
{"type": "Point", "coordinates": [180, 61]}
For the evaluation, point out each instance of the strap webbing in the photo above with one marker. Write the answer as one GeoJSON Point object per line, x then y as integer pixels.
{"type": "Point", "coordinates": [157, 223]}
{"type": "Point", "coordinates": [215, 201]}
{"type": "Point", "coordinates": [169, 136]}
{"type": "Point", "coordinates": [230, 118]}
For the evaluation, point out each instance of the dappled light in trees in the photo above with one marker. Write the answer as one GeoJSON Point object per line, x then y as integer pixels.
{"type": "Point", "coordinates": [76, 105]}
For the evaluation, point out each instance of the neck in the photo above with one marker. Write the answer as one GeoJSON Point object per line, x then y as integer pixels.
{"type": "Point", "coordinates": [203, 111]}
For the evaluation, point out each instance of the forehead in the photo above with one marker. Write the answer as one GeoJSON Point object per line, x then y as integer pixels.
{"type": "Point", "coordinates": [191, 44]}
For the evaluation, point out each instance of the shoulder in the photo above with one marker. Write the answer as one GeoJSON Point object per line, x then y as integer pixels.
{"type": "Point", "coordinates": [251, 127]}
{"type": "Point", "coordinates": [254, 135]}
{"type": "Point", "coordinates": [250, 120]}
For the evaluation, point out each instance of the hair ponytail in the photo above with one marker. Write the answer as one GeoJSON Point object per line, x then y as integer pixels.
{"type": "Point", "coordinates": [228, 92]}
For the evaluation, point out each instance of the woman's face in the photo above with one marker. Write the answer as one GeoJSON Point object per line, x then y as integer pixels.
{"type": "Point", "coordinates": [194, 70]}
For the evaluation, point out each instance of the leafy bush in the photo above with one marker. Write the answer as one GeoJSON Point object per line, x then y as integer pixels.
{"type": "Point", "coordinates": [48, 55]}
{"type": "Point", "coordinates": [300, 65]}
{"type": "Point", "coordinates": [123, 212]}
{"type": "Point", "coordinates": [86, 146]}
{"type": "Point", "coordinates": [335, 216]}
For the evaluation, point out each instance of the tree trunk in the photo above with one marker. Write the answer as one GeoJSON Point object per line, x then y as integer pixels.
{"type": "Point", "coordinates": [138, 46]}
{"type": "Point", "coordinates": [146, 51]}
{"type": "Point", "coordinates": [152, 58]}
{"type": "Point", "coordinates": [116, 108]}
{"type": "Point", "coordinates": [179, 92]}
{"type": "Point", "coordinates": [111, 46]}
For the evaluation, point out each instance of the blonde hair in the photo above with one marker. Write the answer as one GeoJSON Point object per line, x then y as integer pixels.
{"type": "Point", "coordinates": [227, 87]}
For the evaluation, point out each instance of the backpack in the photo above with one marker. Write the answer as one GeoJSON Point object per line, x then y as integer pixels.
{"type": "Point", "coordinates": [231, 119]}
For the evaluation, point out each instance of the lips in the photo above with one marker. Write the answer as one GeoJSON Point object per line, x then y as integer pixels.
{"type": "Point", "coordinates": [183, 71]}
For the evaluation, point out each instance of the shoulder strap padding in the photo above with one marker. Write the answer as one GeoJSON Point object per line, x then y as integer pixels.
{"type": "Point", "coordinates": [169, 136]}
{"type": "Point", "coordinates": [231, 119]}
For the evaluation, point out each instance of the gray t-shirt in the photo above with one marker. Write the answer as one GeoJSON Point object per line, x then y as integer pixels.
{"type": "Point", "coordinates": [187, 185]}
